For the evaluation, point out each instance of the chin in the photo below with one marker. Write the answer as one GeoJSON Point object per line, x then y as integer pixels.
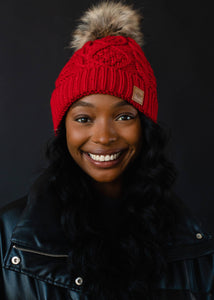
{"type": "Point", "coordinates": [105, 178]}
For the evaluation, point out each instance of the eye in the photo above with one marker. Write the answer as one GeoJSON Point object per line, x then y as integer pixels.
{"type": "Point", "coordinates": [82, 119]}
{"type": "Point", "coordinates": [125, 117]}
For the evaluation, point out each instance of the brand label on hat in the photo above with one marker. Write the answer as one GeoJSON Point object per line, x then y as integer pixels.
{"type": "Point", "coordinates": [138, 95]}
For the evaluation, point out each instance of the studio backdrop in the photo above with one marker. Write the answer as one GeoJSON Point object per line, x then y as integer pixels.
{"type": "Point", "coordinates": [34, 42]}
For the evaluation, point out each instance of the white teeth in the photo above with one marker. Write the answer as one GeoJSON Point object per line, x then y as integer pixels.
{"type": "Point", "coordinates": [107, 158]}
{"type": "Point", "coordinates": [104, 157]}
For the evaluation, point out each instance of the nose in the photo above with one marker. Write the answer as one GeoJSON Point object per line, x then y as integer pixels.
{"type": "Point", "coordinates": [104, 133]}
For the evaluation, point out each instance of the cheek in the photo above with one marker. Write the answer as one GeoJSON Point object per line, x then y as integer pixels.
{"type": "Point", "coordinates": [134, 136]}
{"type": "Point", "coordinates": [75, 139]}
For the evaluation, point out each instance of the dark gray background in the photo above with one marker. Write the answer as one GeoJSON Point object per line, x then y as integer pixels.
{"type": "Point", "coordinates": [179, 36]}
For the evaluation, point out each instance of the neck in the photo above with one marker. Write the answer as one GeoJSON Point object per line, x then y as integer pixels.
{"type": "Point", "coordinates": [109, 189]}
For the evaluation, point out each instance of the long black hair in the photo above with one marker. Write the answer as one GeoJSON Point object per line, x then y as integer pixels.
{"type": "Point", "coordinates": [123, 263]}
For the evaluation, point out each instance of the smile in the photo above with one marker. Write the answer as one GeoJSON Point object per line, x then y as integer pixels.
{"type": "Point", "coordinates": [104, 157]}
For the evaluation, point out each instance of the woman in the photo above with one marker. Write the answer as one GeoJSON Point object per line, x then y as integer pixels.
{"type": "Point", "coordinates": [102, 221]}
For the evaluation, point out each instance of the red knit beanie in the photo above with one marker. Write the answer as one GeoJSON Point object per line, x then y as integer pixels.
{"type": "Point", "coordinates": [114, 65]}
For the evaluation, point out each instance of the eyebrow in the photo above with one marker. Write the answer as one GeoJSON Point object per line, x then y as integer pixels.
{"type": "Point", "coordinates": [122, 103]}
{"type": "Point", "coordinates": [82, 103]}
{"type": "Point", "coordinates": [87, 104]}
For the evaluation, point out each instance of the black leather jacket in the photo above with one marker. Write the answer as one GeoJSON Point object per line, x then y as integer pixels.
{"type": "Point", "coordinates": [34, 253]}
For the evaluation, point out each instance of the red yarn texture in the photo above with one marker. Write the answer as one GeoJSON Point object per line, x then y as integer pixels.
{"type": "Point", "coordinates": [112, 65]}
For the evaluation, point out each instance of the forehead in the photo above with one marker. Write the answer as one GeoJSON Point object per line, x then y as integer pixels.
{"type": "Point", "coordinates": [102, 101]}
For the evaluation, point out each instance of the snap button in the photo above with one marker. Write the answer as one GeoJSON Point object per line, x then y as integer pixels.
{"type": "Point", "coordinates": [79, 281]}
{"type": "Point", "coordinates": [15, 260]}
{"type": "Point", "coordinates": [199, 236]}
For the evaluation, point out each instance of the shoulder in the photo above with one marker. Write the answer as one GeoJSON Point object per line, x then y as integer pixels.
{"type": "Point", "coordinates": [190, 238]}
{"type": "Point", "coordinates": [189, 258]}
{"type": "Point", "coordinates": [10, 213]}
{"type": "Point", "coordinates": [14, 205]}
{"type": "Point", "coordinates": [9, 217]}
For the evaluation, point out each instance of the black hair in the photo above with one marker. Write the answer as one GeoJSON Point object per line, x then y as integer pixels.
{"type": "Point", "coordinates": [136, 248]}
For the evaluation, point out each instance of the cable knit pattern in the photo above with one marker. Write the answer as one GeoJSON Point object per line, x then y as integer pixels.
{"type": "Point", "coordinates": [112, 65]}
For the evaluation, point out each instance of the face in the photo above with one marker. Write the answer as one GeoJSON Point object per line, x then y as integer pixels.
{"type": "Point", "coordinates": [103, 135]}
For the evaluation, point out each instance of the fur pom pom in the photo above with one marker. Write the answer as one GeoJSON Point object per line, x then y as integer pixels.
{"type": "Point", "coordinates": [108, 18]}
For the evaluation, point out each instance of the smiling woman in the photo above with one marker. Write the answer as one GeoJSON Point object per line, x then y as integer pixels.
{"type": "Point", "coordinates": [103, 134]}
{"type": "Point", "coordinates": [102, 221]}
